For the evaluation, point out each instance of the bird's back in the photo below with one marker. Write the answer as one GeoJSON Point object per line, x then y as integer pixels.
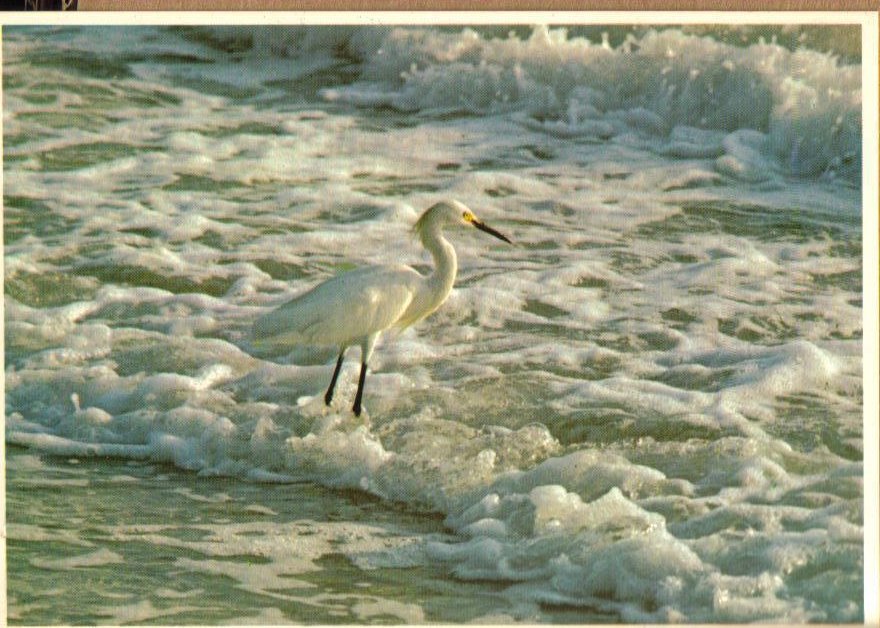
{"type": "Point", "coordinates": [342, 310]}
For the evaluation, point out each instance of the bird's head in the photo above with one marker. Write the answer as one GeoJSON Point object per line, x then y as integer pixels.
{"type": "Point", "coordinates": [452, 213]}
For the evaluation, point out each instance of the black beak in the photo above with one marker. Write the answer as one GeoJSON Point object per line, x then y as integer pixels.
{"type": "Point", "coordinates": [482, 227]}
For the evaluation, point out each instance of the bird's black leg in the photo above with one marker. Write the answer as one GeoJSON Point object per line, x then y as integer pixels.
{"type": "Point", "coordinates": [328, 396]}
{"type": "Point", "coordinates": [360, 392]}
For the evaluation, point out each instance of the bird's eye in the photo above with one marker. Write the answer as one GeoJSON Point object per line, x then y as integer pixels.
{"type": "Point", "coordinates": [467, 216]}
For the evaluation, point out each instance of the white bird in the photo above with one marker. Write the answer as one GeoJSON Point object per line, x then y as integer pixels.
{"type": "Point", "coordinates": [357, 306]}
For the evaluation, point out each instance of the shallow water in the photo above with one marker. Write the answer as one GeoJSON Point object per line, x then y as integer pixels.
{"type": "Point", "coordinates": [144, 543]}
{"type": "Point", "coordinates": [648, 409]}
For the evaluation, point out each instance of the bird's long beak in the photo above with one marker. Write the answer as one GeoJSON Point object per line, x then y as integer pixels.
{"type": "Point", "coordinates": [484, 227]}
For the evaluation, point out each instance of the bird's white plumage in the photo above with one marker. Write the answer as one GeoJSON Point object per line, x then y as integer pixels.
{"type": "Point", "coordinates": [343, 310]}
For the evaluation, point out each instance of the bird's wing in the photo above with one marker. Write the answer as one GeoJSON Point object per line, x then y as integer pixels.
{"type": "Point", "coordinates": [342, 310]}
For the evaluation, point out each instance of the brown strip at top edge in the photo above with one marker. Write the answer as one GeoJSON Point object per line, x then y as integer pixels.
{"type": "Point", "coordinates": [487, 5]}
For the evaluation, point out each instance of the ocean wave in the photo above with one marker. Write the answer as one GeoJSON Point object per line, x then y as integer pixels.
{"type": "Point", "coordinates": [801, 108]}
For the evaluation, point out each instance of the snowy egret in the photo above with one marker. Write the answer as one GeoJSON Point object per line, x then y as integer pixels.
{"type": "Point", "coordinates": [357, 306]}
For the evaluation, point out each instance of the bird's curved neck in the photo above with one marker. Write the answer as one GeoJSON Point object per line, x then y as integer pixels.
{"type": "Point", "coordinates": [445, 261]}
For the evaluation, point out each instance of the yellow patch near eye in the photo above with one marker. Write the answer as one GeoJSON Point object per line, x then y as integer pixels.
{"type": "Point", "coordinates": [468, 217]}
